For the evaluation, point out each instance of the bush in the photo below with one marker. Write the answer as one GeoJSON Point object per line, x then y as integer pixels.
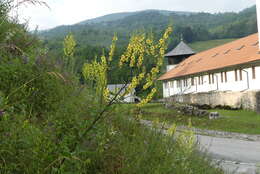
{"type": "Point", "coordinates": [32, 89]}
{"type": "Point", "coordinates": [45, 129]}
{"type": "Point", "coordinates": [128, 147]}
{"type": "Point", "coordinates": [43, 120]}
{"type": "Point", "coordinates": [52, 144]}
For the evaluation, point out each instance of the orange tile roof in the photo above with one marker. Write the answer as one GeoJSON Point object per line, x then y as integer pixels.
{"type": "Point", "coordinates": [238, 52]}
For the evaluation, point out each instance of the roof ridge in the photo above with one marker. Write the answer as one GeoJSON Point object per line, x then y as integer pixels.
{"type": "Point", "coordinates": [237, 40]}
{"type": "Point", "coordinates": [181, 49]}
{"type": "Point", "coordinates": [206, 63]}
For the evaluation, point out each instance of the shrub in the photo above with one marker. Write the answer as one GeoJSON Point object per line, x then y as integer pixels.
{"type": "Point", "coordinates": [32, 89]}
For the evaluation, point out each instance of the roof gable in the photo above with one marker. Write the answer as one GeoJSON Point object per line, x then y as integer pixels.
{"type": "Point", "coordinates": [181, 49]}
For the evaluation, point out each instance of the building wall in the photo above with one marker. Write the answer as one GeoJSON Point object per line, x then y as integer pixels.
{"type": "Point", "coordinates": [170, 67]}
{"type": "Point", "coordinates": [130, 98]}
{"type": "Point", "coordinates": [245, 99]}
{"type": "Point", "coordinates": [115, 88]}
{"type": "Point", "coordinates": [184, 86]}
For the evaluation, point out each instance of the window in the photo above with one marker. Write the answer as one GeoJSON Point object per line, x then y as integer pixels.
{"type": "Point", "coordinates": [222, 77]}
{"type": "Point", "coordinates": [185, 82]}
{"type": "Point", "coordinates": [212, 79]}
{"type": "Point", "coordinates": [166, 85]}
{"type": "Point", "coordinates": [178, 83]}
{"type": "Point", "coordinates": [253, 73]}
{"type": "Point", "coordinates": [236, 79]}
{"type": "Point", "coordinates": [241, 74]}
{"type": "Point", "coordinates": [201, 80]}
{"type": "Point", "coordinates": [192, 81]}
{"type": "Point", "coordinates": [172, 84]}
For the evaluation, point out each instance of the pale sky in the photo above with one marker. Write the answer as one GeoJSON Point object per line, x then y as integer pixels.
{"type": "Point", "coordinates": [65, 12]}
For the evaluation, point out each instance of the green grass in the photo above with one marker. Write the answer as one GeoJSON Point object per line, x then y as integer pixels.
{"type": "Point", "coordinates": [205, 45]}
{"type": "Point", "coordinates": [239, 121]}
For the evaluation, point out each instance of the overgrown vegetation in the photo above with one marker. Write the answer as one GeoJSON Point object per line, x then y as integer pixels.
{"type": "Point", "coordinates": [50, 122]}
{"type": "Point", "coordinates": [240, 121]}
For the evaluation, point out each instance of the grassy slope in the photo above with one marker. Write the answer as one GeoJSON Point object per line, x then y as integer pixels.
{"type": "Point", "coordinates": [205, 45]}
{"type": "Point", "coordinates": [239, 121]}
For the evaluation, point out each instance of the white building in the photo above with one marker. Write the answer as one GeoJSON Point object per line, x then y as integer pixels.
{"type": "Point", "coordinates": [232, 67]}
{"type": "Point", "coordinates": [115, 88]}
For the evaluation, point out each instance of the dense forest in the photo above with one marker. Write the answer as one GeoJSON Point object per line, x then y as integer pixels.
{"type": "Point", "coordinates": [56, 120]}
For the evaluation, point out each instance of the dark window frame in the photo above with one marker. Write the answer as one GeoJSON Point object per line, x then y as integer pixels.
{"type": "Point", "coordinates": [236, 76]}
{"type": "Point", "coordinates": [241, 74]}
{"type": "Point", "coordinates": [253, 73]}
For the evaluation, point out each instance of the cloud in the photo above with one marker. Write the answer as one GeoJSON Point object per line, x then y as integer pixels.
{"type": "Point", "coordinates": [70, 12]}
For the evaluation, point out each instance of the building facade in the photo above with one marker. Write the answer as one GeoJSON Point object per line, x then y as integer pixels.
{"type": "Point", "coordinates": [232, 67]}
{"type": "Point", "coordinates": [240, 79]}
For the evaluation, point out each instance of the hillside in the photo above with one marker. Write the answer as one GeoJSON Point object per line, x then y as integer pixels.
{"type": "Point", "coordinates": [119, 16]}
{"type": "Point", "coordinates": [205, 45]}
{"type": "Point", "coordinates": [193, 26]}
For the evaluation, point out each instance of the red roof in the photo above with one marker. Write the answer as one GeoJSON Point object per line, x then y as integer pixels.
{"type": "Point", "coordinates": [238, 52]}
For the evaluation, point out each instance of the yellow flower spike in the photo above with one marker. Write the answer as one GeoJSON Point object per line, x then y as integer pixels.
{"type": "Point", "coordinates": [139, 47]}
{"type": "Point", "coordinates": [106, 94]}
{"type": "Point", "coordinates": [112, 48]}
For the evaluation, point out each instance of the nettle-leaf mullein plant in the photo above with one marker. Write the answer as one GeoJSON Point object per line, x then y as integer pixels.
{"type": "Point", "coordinates": [140, 47]}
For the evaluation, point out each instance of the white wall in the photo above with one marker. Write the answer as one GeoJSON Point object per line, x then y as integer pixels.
{"type": "Point", "coordinates": [130, 98]}
{"type": "Point", "coordinates": [170, 67]}
{"type": "Point", "coordinates": [170, 89]}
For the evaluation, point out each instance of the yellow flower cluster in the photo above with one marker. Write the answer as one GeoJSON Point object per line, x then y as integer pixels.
{"type": "Point", "coordinates": [136, 48]}
{"type": "Point", "coordinates": [112, 48]}
{"type": "Point", "coordinates": [97, 73]}
{"type": "Point", "coordinates": [134, 83]}
{"type": "Point", "coordinates": [161, 46]}
{"type": "Point", "coordinates": [141, 46]}
{"type": "Point", "coordinates": [69, 45]}
{"type": "Point", "coordinates": [106, 94]}
{"type": "Point", "coordinates": [148, 98]}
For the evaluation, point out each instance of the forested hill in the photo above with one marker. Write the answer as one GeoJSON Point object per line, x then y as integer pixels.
{"type": "Point", "coordinates": [118, 16]}
{"type": "Point", "coordinates": [193, 27]}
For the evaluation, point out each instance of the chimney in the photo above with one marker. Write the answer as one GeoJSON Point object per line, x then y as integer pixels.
{"type": "Point", "coordinates": [258, 18]}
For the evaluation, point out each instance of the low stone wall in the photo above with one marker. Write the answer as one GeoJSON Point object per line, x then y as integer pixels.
{"type": "Point", "coordinates": [258, 102]}
{"type": "Point", "coordinates": [246, 100]}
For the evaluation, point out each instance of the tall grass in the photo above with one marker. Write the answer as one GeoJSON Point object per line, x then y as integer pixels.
{"type": "Point", "coordinates": [42, 139]}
